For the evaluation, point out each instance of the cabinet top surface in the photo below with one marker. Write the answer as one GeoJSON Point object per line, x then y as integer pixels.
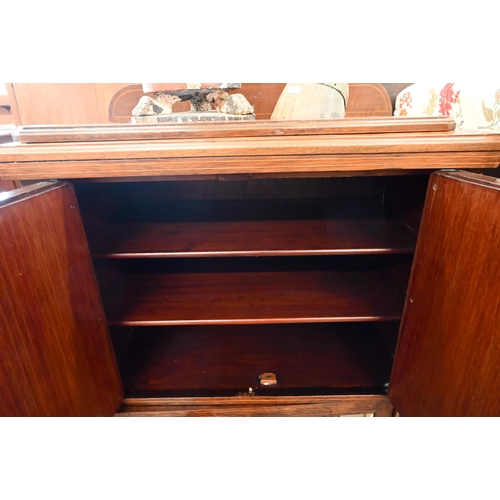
{"type": "Point", "coordinates": [260, 147]}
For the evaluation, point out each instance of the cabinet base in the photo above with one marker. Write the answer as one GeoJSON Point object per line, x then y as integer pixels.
{"type": "Point", "coordinates": [257, 406]}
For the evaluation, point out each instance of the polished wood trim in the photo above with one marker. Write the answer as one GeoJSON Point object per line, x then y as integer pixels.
{"type": "Point", "coordinates": [303, 146]}
{"type": "Point", "coordinates": [26, 192]}
{"type": "Point", "coordinates": [285, 165]}
{"type": "Point", "coordinates": [256, 406]}
{"type": "Point", "coordinates": [99, 133]}
{"type": "Point", "coordinates": [228, 155]}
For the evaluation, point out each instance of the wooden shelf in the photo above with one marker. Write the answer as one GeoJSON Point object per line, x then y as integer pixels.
{"type": "Point", "coordinates": [226, 360]}
{"type": "Point", "coordinates": [267, 238]}
{"type": "Point", "coordinates": [251, 291]}
{"type": "Point", "coordinates": [253, 228]}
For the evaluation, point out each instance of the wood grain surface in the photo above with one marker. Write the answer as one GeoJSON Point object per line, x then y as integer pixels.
{"type": "Point", "coordinates": [228, 360]}
{"type": "Point", "coordinates": [7, 185]}
{"type": "Point", "coordinates": [271, 166]}
{"type": "Point", "coordinates": [243, 291]}
{"type": "Point", "coordinates": [454, 141]}
{"type": "Point", "coordinates": [62, 103]}
{"type": "Point", "coordinates": [98, 133]}
{"type": "Point", "coordinates": [56, 357]}
{"type": "Point", "coordinates": [447, 359]}
{"type": "Point", "coordinates": [248, 228]}
{"type": "Point", "coordinates": [368, 99]}
{"type": "Point", "coordinates": [302, 154]}
{"type": "Point", "coordinates": [255, 239]}
{"type": "Point", "coordinates": [259, 406]}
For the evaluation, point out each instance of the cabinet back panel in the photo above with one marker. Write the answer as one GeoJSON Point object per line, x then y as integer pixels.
{"type": "Point", "coordinates": [404, 198]}
{"type": "Point", "coordinates": [254, 290]}
{"type": "Point", "coordinates": [251, 218]}
{"type": "Point", "coordinates": [256, 227]}
{"type": "Point", "coordinates": [226, 360]}
{"type": "Point", "coordinates": [112, 198]}
{"type": "Point", "coordinates": [161, 201]}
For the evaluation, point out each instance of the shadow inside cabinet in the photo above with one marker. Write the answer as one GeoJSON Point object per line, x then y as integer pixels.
{"type": "Point", "coordinates": [208, 285]}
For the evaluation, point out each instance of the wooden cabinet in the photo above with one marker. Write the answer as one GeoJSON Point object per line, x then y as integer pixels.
{"type": "Point", "coordinates": [254, 292]}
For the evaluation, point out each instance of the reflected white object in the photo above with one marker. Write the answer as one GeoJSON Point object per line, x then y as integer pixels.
{"type": "Point", "coordinates": [312, 101]}
{"type": "Point", "coordinates": [471, 105]}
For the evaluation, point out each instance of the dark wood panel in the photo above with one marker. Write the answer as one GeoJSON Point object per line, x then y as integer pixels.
{"type": "Point", "coordinates": [448, 355]}
{"type": "Point", "coordinates": [56, 357]}
{"type": "Point", "coordinates": [139, 196]}
{"type": "Point", "coordinates": [388, 331]}
{"type": "Point", "coordinates": [404, 198]}
{"type": "Point", "coordinates": [256, 290]}
{"type": "Point", "coordinates": [253, 238]}
{"type": "Point", "coordinates": [158, 228]}
{"type": "Point", "coordinates": [226, 360]}
{"type": "Point", "coordinates": [220, 206]}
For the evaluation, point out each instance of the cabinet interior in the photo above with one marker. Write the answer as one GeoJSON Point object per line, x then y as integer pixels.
{"type": "Point", "coordinates": [208, 284]}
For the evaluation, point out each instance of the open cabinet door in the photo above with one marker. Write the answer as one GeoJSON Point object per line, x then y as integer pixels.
{"type": "Point", "coordinates": [447, 361]}
{"type": "Point", "coordinates": [56, 357]}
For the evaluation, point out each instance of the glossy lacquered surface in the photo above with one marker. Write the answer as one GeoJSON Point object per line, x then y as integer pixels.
{"type": "Point", "coordinates": [56, 357]}
{"type": "Point", "coordinates": [266, 149]}
{"type": "Point", "coordinates": [448, 355]}
{"type": "Point", "coordinates": [325, 290]}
